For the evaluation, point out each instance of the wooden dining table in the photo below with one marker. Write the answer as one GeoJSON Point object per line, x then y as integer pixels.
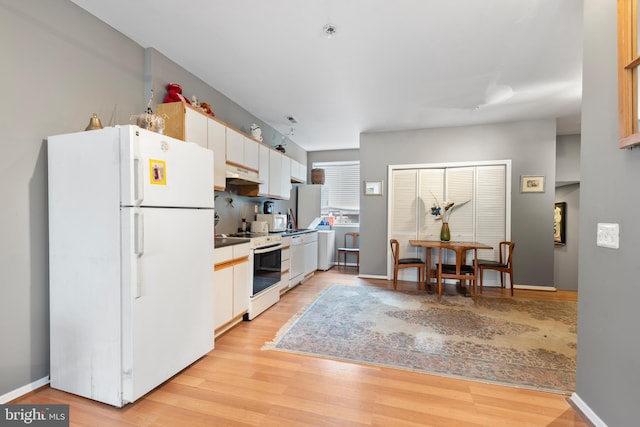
{"type": "Point", "coordinates": [461, 272]}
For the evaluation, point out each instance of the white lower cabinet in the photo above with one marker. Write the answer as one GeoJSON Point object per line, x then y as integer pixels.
{"type": "Point", "coordinates": [232, 281]}
{"type": "Point", "coordinates": [310, 253]}
{"type": "Point", "coordinates": [286, 264]}
{"type": "Point", "coordinates": [296, 260]}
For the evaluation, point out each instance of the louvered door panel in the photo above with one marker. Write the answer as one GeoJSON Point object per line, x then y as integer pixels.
{"type": "Point", "coordinates": [491, 208]}
{"type": "Point", "coordinates": [430, 188]}
{"type": "Point", "coordinates": [459, 186]}
{"type": "Point", "coordinates": [404, 209]}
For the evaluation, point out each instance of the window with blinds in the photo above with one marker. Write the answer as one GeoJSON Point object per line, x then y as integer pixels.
{"type": "Point", "coordinates": [341, 191]}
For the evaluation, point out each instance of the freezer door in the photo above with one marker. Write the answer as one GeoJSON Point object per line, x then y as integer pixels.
{"type": "Point", "coordinates": [168, 320]}
{"type": "Point", "coordinates": [157, 170]}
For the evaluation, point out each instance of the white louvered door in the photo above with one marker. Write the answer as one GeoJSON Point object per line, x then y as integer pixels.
{"type": "Point", "coordinates": [459, 186]}
{"type": "Point", "coordinates": [491, 214]}
{"type": "Point", "coordinates": [403, 211]}
{"type": "Point", "coordinates": [431, 188]}
{"type": "Point", "coordinates": [480, 213]}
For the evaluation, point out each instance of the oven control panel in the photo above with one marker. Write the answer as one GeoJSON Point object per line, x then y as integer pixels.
{"type": "Point", "coordinates": [271, 239]}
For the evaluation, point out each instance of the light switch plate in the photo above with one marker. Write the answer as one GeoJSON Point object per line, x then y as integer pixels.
{"type": "Point", "coordinates": [608, 235]}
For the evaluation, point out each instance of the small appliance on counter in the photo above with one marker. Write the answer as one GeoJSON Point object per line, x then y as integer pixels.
{"type": "Point", "coordinates": [275, 222]}
{"type": "Point", "coordinates": [267, 208]}
{"type": "Point", "coordinates": [259, 227]}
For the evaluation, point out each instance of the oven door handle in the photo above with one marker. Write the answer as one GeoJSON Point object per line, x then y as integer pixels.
{"type": "Point", "coordinates": [265, 249]}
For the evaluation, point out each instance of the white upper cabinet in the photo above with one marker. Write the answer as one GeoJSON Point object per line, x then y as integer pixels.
{"type": "Point", "coordinates": [235, 147]}
{"type": "Point", "coordinates": [275, 173]}
{"type": "Point", "coordinates": [263, 173]}
{"type": "Point", "coordinates": [251, 153]}
{"type": "Point", "coordinates": [242, 151]}
{"type": "Point", "coordinates": [216, 140]}
{"type": "Point", "coordinates": [298, 172]}
{"type": "Point", "coordinates": [195, 127]}
{"type": "Point", "coordinates": [285, 176]}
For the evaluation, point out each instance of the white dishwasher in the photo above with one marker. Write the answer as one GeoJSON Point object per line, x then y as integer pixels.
{"type": "Point", "coordinates": [297, 260]}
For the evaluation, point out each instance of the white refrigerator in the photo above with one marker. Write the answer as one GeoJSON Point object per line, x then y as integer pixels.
{"type": "Point", "coordinates": [131, 239]}
{"type": "Point", "coordinates": [309, 204]}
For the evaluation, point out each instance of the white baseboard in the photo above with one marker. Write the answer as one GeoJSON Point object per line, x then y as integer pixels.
{"type": "Point", "coordinates": [14, 394]}
{"type": "Point", "coordinates": [343, 264]}
{"type": "Point", "coordinates": [372, 276]}
{"type": "Point", "coordinates": [536, 288]}
{"type": "Point", "coordinates": [586, 411]}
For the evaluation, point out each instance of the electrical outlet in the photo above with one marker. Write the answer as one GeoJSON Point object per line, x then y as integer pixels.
{"type": "Point", "coordinates": [608, 235]}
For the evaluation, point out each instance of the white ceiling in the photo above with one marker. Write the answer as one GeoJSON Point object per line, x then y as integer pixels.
{"type": "Point", "coordinates": [391, 65]}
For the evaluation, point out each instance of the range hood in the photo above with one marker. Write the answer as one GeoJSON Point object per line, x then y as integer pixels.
{"type": "Point", "coordinates": [239, 176]}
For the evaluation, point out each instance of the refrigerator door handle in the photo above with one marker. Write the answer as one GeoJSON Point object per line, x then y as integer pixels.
{"type": "Point", "coordinates": [138, 248]}
{"type": "Point", "coordinates": [138, 181]}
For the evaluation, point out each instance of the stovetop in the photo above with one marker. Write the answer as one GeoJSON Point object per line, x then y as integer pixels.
{"type": "Point", "coordinates": [257, 240]}
{"type": "Point", "coordinates": [247, 234]}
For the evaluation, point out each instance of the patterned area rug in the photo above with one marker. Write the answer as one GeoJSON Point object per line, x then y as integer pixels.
{"type": "Point", "coordinates": [507, 341]}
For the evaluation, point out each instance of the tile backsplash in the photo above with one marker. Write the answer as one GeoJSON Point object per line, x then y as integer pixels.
{"type": "Point", "coordinates": [230, 207]}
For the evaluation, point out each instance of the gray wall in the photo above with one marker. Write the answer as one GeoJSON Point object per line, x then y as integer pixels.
{"type": "Point", "coordinates": [608, 372]}
{"type": "Point", "coordinates": [160, 70]}
{"type": "Point", "coordinates": [61, 65]}
{"type": "Point", "coordinates": [568, 159]}
{"type": "Point", "coordinates": [568, 190]}
{"type": "Point", "coordinates": [566, 257]}
{"type": "Point", "coordinates": [331, 156]}
{"type": "Point", "coordinates": [531, 147]}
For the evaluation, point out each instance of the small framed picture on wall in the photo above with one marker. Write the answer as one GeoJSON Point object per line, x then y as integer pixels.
{"type": "Point", "coordinates": [373, 188]}
{"type": "Point", "coordinates": [532, 184]}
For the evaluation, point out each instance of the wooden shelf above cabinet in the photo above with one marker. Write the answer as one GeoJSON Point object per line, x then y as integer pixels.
{"type": "Point", "coordinates": [174, 116]}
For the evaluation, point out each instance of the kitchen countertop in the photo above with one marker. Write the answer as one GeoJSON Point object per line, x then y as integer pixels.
{"type": "Point", "coordinates": [299, 231]}
{"type": "Point", "coordinates": [221, 242]}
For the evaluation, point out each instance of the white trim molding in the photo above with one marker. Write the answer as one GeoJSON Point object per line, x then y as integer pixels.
{"type": "Point", "coordinates": [586, 411]}
{"type": "Point", "coordinates": [14, 394]}
{"type": "Point", "coordinates": [536, 288]}
{"type": "Point", "coordinates": [372, 276]}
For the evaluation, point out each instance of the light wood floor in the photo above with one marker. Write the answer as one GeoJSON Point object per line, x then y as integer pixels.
{"type": "Point", "coordinates": [238, 384]}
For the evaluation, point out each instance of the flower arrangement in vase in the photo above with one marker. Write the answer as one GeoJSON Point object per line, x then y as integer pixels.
{"type": "Point", "coordinates": [443, 213]}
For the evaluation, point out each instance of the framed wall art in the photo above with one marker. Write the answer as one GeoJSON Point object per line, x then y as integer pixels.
{"type": "Point", "coordinates": [532, 184]}
{"type": "Point", "coordinates": [373, 188]}
{"type": "Point", "coordinates": [560, 224]}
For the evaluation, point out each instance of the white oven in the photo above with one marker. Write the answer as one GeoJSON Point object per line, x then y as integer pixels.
{"type": "Point", "coordinates": [267, 267]}
{"type": "Point", "coordinates": [265, 263]}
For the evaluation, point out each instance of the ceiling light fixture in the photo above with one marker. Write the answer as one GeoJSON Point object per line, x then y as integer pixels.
{"type": "Point", "coordinates": [330, 30]}
{"type": "Point", "coordinates": [280, 147]}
